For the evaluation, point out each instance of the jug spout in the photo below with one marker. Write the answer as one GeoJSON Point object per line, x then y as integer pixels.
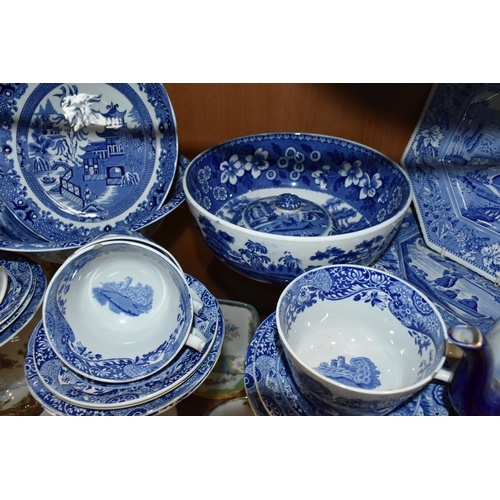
{"type": "Point", "coordinates": [475, 386]}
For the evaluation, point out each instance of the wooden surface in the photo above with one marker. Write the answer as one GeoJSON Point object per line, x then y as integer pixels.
{"type": "Point", "coordinates": [382, 116]}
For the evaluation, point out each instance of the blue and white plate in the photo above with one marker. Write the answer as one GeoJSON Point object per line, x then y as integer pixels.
{"type": "Point", "coordinates": [57, 406]}
{"type": "Point", "coordinates": [273, 391]}
{"type": "Point", "coordinates": [453, 161]}
{"type": "Point", "coordinates": [20, 273]}
{"type": "Point", "coordinates": [81, 391]}
{"type": "Point", "coordinates": [31, 306]}
{"type": "Point", "coordinates": [82, 159]}
{"type": "Point", "coordinates": [460, 294]}
{"type": "Point", "coordinates": [55, 252]}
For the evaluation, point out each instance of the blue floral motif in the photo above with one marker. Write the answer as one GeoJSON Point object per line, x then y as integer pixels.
{"type": "Point", "coordinates": [257, 162]}
{"type": "Point", "coordinates": [231, 170]}
{"type": "Point", "coordinates": [353, 173]}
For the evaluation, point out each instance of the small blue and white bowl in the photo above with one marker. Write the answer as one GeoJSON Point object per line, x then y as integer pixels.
{"type": "Point", "coordinates": [272, 206]}
{"type": "Point", "coordinates": [359, 341]}
{"type": "Point", "coordinates": [119, 311]}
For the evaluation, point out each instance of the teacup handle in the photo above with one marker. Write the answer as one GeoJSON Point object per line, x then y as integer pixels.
{"type": "Point", "coordinates": [196, 340]}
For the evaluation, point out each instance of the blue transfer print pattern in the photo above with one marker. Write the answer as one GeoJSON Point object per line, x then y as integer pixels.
{"type": "Point", "coordinates": [124, 297]}
{"type": "Point", "coordinates": [80, 165]}
{"type": "Point", "coordinates": [452, 161]}
{"type": "Point", "coordinates": [360, 188]}
{"type": "Point", "coordinates": [360, 372]}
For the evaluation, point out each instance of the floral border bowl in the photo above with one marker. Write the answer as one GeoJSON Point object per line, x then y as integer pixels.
{"type": "Point", "coordinates": [272, 206]}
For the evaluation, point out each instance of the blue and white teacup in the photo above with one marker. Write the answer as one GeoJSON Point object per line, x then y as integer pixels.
{"type": "Point", "coordinates": [119, 310]}
{"type": "Point", "coordinates": [359, 341]}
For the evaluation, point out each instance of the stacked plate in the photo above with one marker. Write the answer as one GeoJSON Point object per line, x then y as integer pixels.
{"type": "Point", "coordinates": [22, 287]}
{"type": "Point", "coordinates": [62, 390]}
{"type": "Point", "coordinates": [82, 160]}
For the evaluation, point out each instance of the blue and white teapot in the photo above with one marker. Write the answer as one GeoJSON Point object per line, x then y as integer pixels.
{"type": "Point", "coordinates": [474, 388]}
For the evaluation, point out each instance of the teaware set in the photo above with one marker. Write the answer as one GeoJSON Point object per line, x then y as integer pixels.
{"type": "Point", "coordinates": [354, 239]}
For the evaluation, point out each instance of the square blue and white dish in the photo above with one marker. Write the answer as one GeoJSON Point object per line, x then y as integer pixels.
{"type": "Point", "coordinates": [460, 294]}
{"type": "Point", "coordinates": [82, 159]}
{"type": "Point", "coordinates": [453, 161]}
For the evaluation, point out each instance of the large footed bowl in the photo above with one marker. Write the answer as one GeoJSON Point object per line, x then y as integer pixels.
{"type": "Point", "coordinates": [273, 206]}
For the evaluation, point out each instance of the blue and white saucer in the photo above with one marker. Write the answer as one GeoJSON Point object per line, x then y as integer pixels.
{"type": "Point", "coordinates": [24, 314]}
{"type": "Point", "coordinates": [271, 390]}
{"type": "Point", "coordinates": [54, 405]}
{"type": "Point", "coordinates": [82, 159]}
{"type": "Point", "coordinates": [87, 393]}
{"type": "Point", "coordinates": [452, 160]}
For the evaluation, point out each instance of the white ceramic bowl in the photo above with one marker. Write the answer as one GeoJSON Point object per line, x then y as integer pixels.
{"type": "Point", "coordinates": [359, 341]}
{"type": "Point", "coordinates": [117, 311]}
{"type": "Point", "coordinates": [272, 206]}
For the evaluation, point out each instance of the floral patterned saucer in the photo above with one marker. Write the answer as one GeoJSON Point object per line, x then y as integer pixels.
{"type": "Point", "coordinates": [272, 391]}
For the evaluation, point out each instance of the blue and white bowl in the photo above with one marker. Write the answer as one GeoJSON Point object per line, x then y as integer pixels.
{"type": "Point", "coordinates": [359, 341]}
{"type": "Point", "coordinates": [272, 206]}
{"type": "Point", "coordinates": [118, 311]}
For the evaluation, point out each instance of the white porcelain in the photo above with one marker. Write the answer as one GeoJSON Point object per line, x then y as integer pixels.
{"type": "Point", "coordinates": [359, 340]}
{"type": "Point", "coordinates": [272, 206]}
{"type": "Point", "coordinates": [118, 311]}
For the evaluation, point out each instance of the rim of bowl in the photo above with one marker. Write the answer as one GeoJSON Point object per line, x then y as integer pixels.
{"type": "Point", "coordinates": [145, 246]}
{"type": "Point", "coordinates": [357, 390]}
{"type": "Point", "coordinates": [279, 237]}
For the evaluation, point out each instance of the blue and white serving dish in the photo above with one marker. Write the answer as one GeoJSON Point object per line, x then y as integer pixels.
{"type": "Point", "coordinates": [11, 241]}
{"type": "Point", "coordinates": [118, 311]}
{"type": "Point", "coordinates": [82, 159]}
{"type": "Point", "coordinates": [28, 308]}
{"type": "Point", "coordinates": [56, 406]}
{"type": "Point", "coordinates": [460, 294]}
{"type": "Point", "coordinates": [73, 388]}
{"type": "Point", "coordinates": [453, 161]}
{"type": "Point", "coordinates": [272, 391]}
{"type": "Point", "coordinates": [272, 206]}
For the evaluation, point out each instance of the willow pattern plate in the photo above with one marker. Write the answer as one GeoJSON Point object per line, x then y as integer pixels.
{"type": "Point", "coordinates": [82, 159]}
